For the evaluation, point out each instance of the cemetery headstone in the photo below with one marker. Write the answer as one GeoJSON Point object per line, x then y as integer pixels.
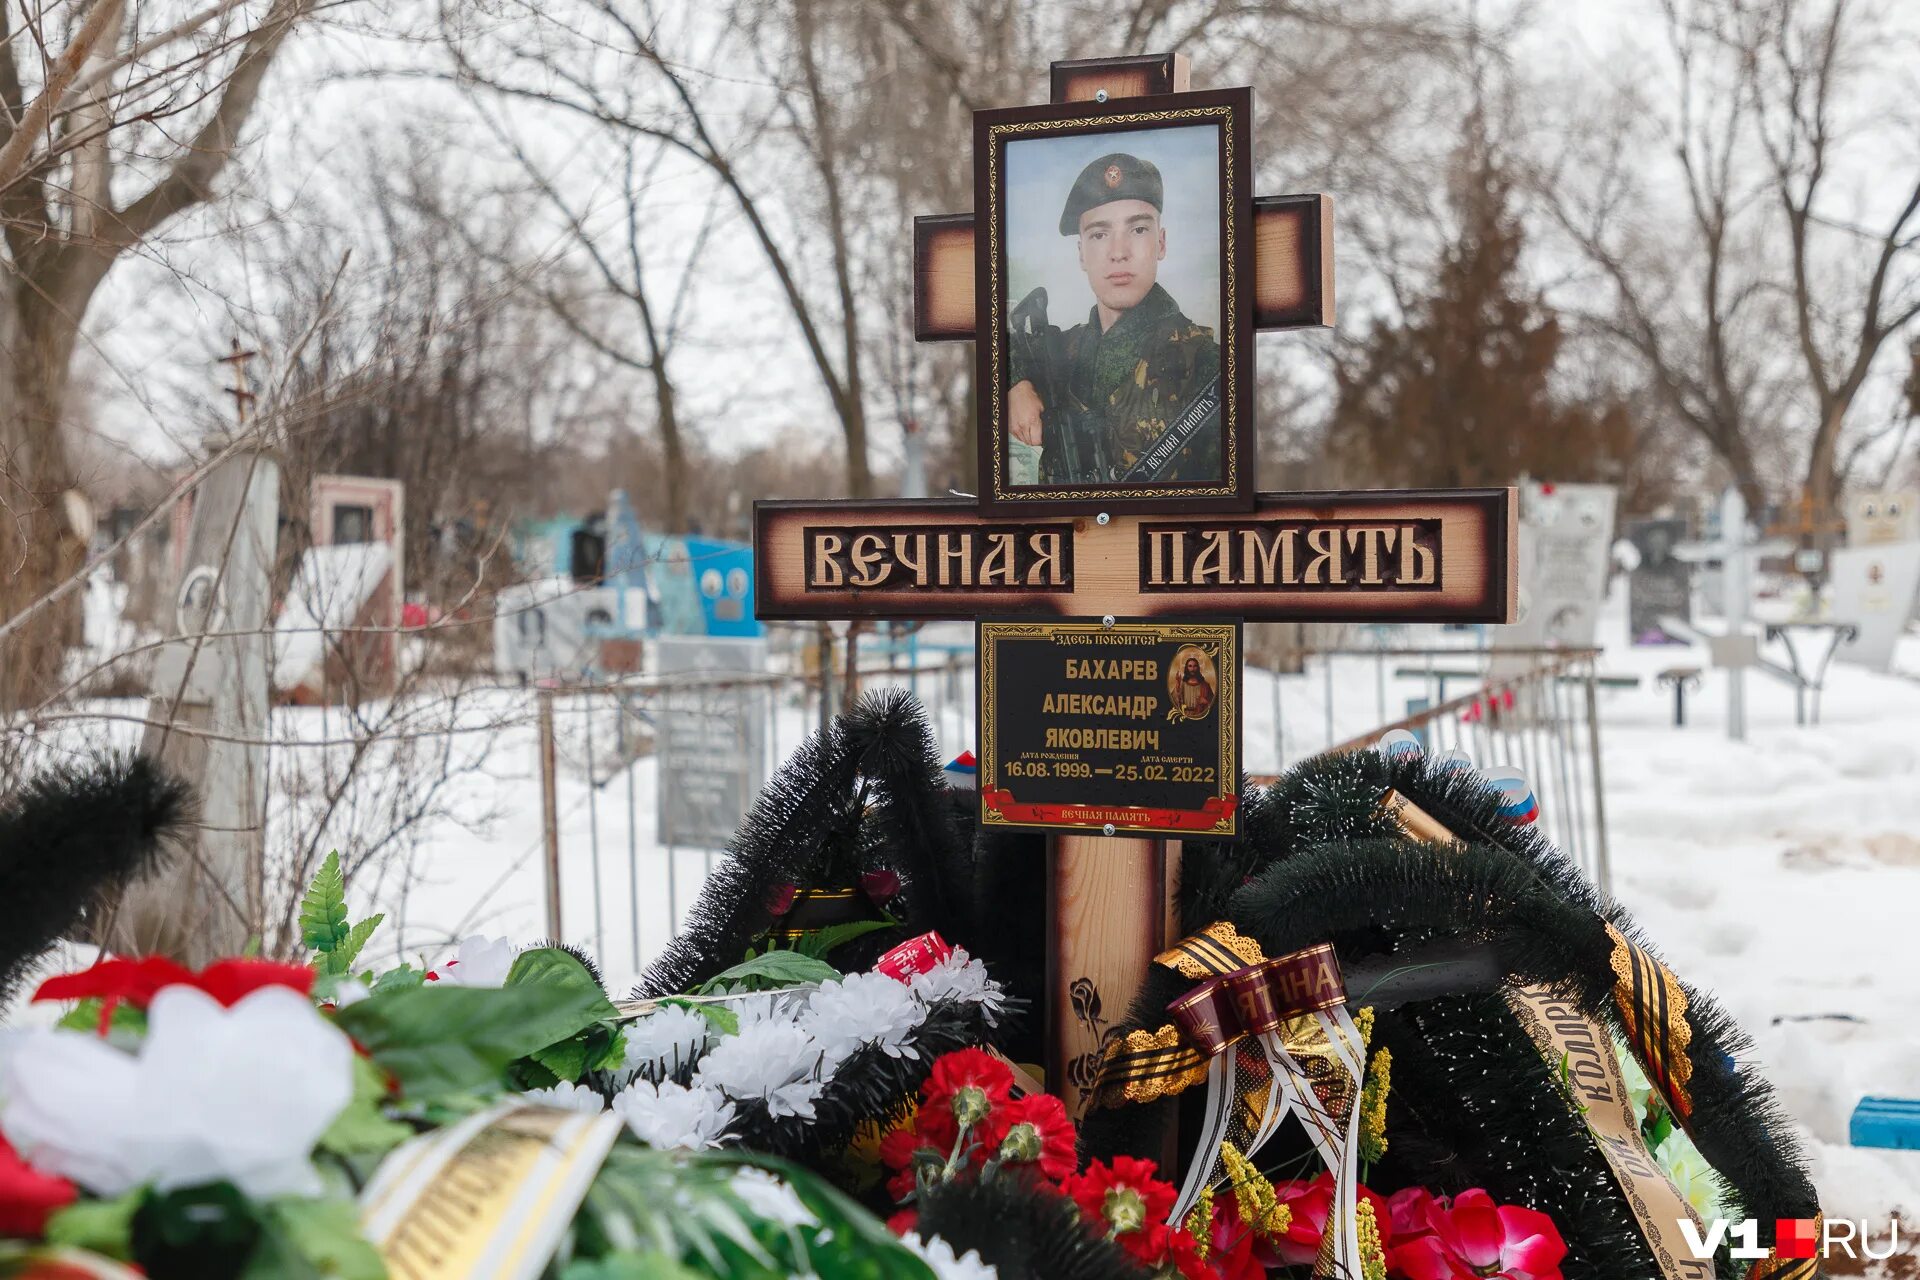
{"type": "Point", "coordinates": [1660, 585]}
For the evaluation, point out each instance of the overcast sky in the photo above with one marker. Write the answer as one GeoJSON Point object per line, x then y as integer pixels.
{"type": "Point", "coordinates": [162, 321]}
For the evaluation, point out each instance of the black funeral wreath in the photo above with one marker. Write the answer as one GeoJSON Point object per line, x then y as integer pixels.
{"type": "Point", "coordinates": [1473, 1101]}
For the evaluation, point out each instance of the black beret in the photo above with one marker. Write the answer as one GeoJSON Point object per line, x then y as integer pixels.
{"type": "Point", "coordinates": [1116, 176]}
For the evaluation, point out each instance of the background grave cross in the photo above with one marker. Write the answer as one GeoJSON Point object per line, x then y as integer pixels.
{"type": "Point", "coordinates": [1738, 648]}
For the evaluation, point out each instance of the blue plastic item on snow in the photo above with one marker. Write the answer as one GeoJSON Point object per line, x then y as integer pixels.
{"type": "Point", "coordinates": [1886, 1122]}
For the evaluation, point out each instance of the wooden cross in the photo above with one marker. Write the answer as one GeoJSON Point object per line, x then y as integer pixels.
{"type": "Point", "coordinates": [1109, 578]}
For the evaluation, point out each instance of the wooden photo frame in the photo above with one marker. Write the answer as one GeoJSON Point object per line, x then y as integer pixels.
{"type": "Point", "coordinates": [1143, 404]}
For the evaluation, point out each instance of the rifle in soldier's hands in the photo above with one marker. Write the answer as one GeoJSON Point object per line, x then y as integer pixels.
{"type": "Point", "coordinates": [1072, 452]}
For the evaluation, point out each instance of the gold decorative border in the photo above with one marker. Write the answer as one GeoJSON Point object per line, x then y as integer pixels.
{"type": "Point", "coordinates": [987, 633]}
{"type": "Point", "coordinates": [1222, 114]}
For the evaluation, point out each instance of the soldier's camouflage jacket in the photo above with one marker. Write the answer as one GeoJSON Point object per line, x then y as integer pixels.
{"type": "Point", "coordinates": [1136, 378]}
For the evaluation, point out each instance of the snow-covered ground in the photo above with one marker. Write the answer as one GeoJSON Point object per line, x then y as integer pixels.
{"type": "Point", "coordinates": [1782, 873]}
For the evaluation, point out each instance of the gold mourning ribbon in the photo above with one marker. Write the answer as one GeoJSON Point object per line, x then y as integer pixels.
{"type": "Point", "coordinates": [489, 1196]}
{"type": "Point", "coordinates": [1143, 1066]}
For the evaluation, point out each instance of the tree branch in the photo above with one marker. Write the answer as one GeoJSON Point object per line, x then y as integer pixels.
{"type": "Point", "coordinates": [190, 181]}
{"type": "Point", "coordinates": [38, 116]}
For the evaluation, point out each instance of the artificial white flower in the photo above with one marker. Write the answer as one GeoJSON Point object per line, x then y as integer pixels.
{"type": "Point", "coordinates": [863, 1009]}
{"type": "Point", "coordinates": [69, 1108]}
{"type": "Point", "coordinates": [237, 1094]}
{"type": "Point", "coordinates": [772, 1062]}
{"type": "Point", "coordinates": [479, 962]}
{"type": "Point", "coordinates": [1639, 1088]}
{"type": "Point", "coordinates": [938, 1254]}
{"type": "Point", "coordinates": [671, 1115]}
{"type": "Point", "coordinates": [1692, 1176]}
{"type": "Point", "coordinates": [568, 1097]}
{"type": "Point", "coordinates": [960, 978]}
{"type": "Point", "coordinates": [769, 1198]}
{"type": "Point", "coordinates": [661, 1043]}
{"type": "Point", "coordinates": [752, 1008]}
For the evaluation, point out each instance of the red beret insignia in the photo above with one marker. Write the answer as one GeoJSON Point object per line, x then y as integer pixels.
{"type": "Point", "coordinates": [1112, 175]}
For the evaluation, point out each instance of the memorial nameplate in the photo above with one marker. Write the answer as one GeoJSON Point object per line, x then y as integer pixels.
{"type": "Point", "coordinates": [1122, 727]}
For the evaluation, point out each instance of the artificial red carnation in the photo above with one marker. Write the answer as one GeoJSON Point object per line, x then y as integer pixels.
{"type": "Point", "coordinates": [1052, 1139]}
{"type": "Point", "coordinates": [1472, 1237]}
{"type": "Point", "coordinates": [27, 1196]}
{"type": "Point", "coordinates": [1123, 1197]}
{"type": "Point", "coordinates": [970, 1081]}
{"type": "Point", "coordinates": [967, 1068]}
{"type": "Point", "coordinates": [904, 1221]}
{"type": "Point", "coordinates": [1310, 1203]}
{"type": "Point", "coordinates": [897, 1149]}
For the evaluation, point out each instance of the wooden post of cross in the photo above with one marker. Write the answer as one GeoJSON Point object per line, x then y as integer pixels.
{"type": "Point", "coordinates": [1118, 541]}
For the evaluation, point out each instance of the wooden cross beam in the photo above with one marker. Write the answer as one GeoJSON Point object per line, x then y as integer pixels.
{"type": "Point", "coordinates": [1292, 269]}
{"type": "Point", "coordinates": [1361, 556]}
{"type": "Point", "coordinates": [1112, 278]}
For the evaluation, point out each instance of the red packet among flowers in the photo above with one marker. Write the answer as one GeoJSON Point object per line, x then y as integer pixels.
{"type": "Point", "coordinates": [915, 955]}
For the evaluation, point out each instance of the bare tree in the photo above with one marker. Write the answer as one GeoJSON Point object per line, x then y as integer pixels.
{"type": "Point", "coordinates": [550, 57]}
{"type": "Point", "coordinates": [1760, 309]}
{"type": "Point", "coordinates": [101, 145]}
{"type": "Point", "coordinates": [620, 263]}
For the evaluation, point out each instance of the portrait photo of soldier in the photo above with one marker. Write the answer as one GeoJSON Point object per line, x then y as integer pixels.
{"type": "Point", "coordinates": [1113, 369]}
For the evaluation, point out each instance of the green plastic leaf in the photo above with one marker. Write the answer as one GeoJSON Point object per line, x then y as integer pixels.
{"type": "Point", "coordinates": [323, 908]}
{"type": "Point", "coordinates": [569, 986]}
{"type": "Point", "coordinates": [319, 1238]}
{"type": "Point", "coordinates": [357, 938]}
{"type": "Point", "coordinates": [363, 1129]}
{"type": "Point", "coordinates": [725, 1021]}
{"type": "Point", "coordinates": [693, 1207]}
{"type": "Point", "coordinates": [630, 1266]}
{"type": "Point", "coordinates": [567, 1059]}
{"type": "Point", "coordinates": [85, 1016]}
{"type": "Point", "coordinates": [773, 969]}
{"type": "Point", "coordinates": [560, 973]}
{"type": "Point", "coordinates": [440, 1039]}
{"type": "Point", "coordinates": [613, 1053]}
{"type": "Point", "coordinates": [101, 1226]}
{"type": "Point", "coordinates": [323, 920]}
{"type": "Point", "coordinates": [820, 943]}
{"type": "Point", "coordinates": [401, 979]}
